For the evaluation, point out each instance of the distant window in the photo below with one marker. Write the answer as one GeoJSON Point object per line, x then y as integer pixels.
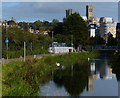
{"type": "Point", "coordinates": [90, 10]}
{"type": "Point", "coordinates": [92, 26]}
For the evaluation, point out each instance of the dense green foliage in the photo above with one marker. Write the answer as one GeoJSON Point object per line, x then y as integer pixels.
{"type": "Point", "coordinates": [73, 29]}
{"type": "Point", "coordinates": [37, 25]}
{"type": "Point", "coordinates": [73, 78]}
{"type": "Point", "coordinates": [35, 43]}
{"type": "Point", "coordinates": [111, 41]}
{"type": "Point", "coordinates": [97, 40]}
{"type": "Point", "coordinates": [24, 78]}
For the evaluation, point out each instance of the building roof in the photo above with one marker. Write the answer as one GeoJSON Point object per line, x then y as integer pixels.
{"type": "Point", "coordinates": [84, 17]}
{"type": "Point", "coordinates": [108, 19]}
{"type": "Point", "coordinates": [58, 44]}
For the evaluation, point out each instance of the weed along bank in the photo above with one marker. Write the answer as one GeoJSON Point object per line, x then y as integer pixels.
{"type": "Point", "coordinates": [25, 78]}
{"type": "Point", "coordinates": [60, 48]}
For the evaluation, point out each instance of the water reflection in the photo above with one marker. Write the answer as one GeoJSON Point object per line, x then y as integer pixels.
{"type": "Point", "coordinates": [74, 78]}
{"type": "Point", "coordinates": [93, 78]}
{"type": "Point", "coordinates": [101, 69]}
{"type": "Point", "coordinates": [116, 68]}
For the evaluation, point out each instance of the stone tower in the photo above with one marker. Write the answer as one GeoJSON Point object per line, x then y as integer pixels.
{"type": "Point", "coordinates": [89, 11]}
{"type": "Point", "coordinates": [69, 12]}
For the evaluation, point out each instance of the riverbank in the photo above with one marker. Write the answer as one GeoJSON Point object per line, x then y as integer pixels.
{"type": "Point", "coordinates": [24, 78]}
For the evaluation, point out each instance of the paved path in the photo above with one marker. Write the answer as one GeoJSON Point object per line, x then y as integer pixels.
{"type": "Point", "coordinates": [5, 61]}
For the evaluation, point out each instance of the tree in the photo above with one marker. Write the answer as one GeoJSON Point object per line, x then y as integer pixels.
{"type": "Point", "coordinates": [24, 25]}
{"type": "Point", "coordinates": [111, 41]}
{"type": "Point", "coordinates": [11, 22]}
{"type": "Point", "coordinates": [17, 36]}
{"type": "Point", "coordinates": [54, 22]}
{"type": "Point", "coordinates": [74, 26]}
{"type": "Point", "coordinates": [58, 28]}
{"type": "Point", "coordinates": [73, 79]}
{"type": "Point", "coordinates": [97, 40]}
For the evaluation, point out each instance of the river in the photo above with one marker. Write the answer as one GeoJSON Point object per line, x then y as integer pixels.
{"type": "Point", "coordinates": [87, 78]}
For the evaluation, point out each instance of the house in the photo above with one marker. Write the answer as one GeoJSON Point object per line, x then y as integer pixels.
{"type": "Point", "coordinates": [59, 48]}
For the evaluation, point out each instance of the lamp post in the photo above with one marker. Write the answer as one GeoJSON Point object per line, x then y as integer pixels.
{"type": "Point", "coordinates": [31, 47]}
{"type": "Point", "coordinates": [52, 41]}
{"type": "Point", "coordinates": [72, 40]}
{"type": "Point", "coordinates": [6, 41]}
{"type": "Point", "coordinates": [52, 36]}
{"type": "Point", "coordinates": [24, 51]}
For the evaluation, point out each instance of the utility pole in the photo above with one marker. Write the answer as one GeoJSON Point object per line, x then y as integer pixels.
{"type": "Point", "coordinates": [52, 36]}
{"type": "Point", "coordinates": [7, 47]}
{"type": "Point", "coordinates": [24, 51]}
{"type": "Point", "coordinates": [6, 41]}
{"type": "Point", "coordinates": [52, 40]}
{"type": "Point", "coordinates": [31, 47]}
{"type": "Point", "coordinates": [72, 40]}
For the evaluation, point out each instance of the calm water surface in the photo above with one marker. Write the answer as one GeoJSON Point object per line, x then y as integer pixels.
{"type": "Point", "coordinates": [89, 78]}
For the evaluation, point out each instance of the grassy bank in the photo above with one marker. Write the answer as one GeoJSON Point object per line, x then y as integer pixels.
{"type": "Point", "coordinates": [24, 78]}
{"type": "Point", "coordinates": [18, 53]}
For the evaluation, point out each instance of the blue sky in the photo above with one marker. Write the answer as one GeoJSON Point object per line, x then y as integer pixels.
{"type": "Point", "coordinates": [32, 11]}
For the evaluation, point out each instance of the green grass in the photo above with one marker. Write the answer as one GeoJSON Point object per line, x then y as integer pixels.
{"type": "Point", "coordinates": [24, 78]}
{"type": "Point", "coordinates": [18, 53]}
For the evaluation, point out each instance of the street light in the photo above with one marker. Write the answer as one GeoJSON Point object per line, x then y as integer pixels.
{"type": "Point", "coordinates": [6, 41]}
{"type": "Point", "coordinates": [52, 36]}
{"type": "Point", "coordinates": [31, 47]}
{"type": "Point", "coordinates": [52, 41]}
{"type": "Point", "coordinates": [72, 40]}
{"type": "Point", "coordinates": [24, 51]}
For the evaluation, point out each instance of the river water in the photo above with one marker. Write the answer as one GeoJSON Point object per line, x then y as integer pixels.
{"type": "Point", "coordinates": [86, 78]}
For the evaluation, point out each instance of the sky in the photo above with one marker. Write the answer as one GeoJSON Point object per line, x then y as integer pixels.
{"type": "Point", "coordinates": [60, 0]}
{"type": "Point", "coordinates": [32, 11]}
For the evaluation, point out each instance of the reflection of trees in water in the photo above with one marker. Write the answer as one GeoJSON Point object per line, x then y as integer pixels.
{"type": "Point", "coordinates": [115, 63]}
{"type": "Point", "coordinates": [74, 78]}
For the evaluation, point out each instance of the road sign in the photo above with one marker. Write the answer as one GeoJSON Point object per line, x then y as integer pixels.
{"type": "Point", "coordinates": [6, 41]}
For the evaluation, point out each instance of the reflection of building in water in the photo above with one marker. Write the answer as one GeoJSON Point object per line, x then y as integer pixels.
{"type": "Point", "coordinates": [103, 71]}
{"type": "Point", "coordinates": [98, 71]}
{"type": "Point", "coordinates": [109, 74]}
{"type": "Point", "coordinates": [90, 85]}
{"type": "Point", "coordinates": [92, 67]}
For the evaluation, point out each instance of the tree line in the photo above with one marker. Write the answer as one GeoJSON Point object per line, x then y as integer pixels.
{"type": "Point", "coordinates": [73, 31]}
{"type": "Point", "coordinates": [35, 43]}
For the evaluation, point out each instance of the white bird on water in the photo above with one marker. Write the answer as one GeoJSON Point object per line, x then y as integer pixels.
{"type": "Point", "coordinates": [88, 59]}
{"type": "Point", "coordinates": [58, 64]}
